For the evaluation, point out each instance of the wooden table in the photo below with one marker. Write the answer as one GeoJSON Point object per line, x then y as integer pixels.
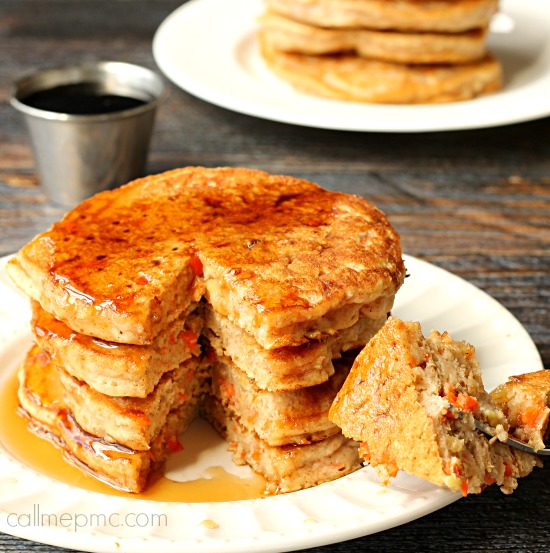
{"type": "Point", "coordinates": [476, 203]}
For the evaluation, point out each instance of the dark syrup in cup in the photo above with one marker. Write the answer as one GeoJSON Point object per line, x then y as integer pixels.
{"type": "Point", "coordinates": [80, 99]}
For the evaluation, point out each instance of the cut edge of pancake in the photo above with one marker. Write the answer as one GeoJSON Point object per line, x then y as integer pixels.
{"type": "Point", "coordinates": [405, 15]}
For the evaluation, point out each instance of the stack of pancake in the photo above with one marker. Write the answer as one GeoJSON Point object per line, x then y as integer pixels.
{"type": "Point", "coordinates": [382, 51]}
{"type": "Point", "coordinates": [225, 292]}
{"type": "Point", "coordinates": [115, 409]}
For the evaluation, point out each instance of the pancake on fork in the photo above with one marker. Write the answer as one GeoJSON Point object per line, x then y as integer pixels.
{"type": "Point", "coordinates": [411, 402]}
{"type": "Point", "coordinates": [525, 399]}
{"type": "Point", "coordinates": [129, 288]}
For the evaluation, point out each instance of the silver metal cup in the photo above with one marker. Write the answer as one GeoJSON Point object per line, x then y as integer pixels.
{"type": "Point", "coordinates": [79, 155]}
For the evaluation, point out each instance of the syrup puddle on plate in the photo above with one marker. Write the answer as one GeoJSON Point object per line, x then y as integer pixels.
{"type": "Point", "coordinates": [202, 472]}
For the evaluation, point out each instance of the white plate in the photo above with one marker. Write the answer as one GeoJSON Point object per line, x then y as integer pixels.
{"type": "Point", "coordinates": [208, 47]}
{"type": "Point", "coordinates": [352, 506]}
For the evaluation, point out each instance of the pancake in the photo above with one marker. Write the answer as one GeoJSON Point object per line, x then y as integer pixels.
{"type": "Point", "coordinates": [133, 422]}
{"type": "Point", "coordinates": [115, 269]}
{"type": "Point", "coordinates": [404, 15]}
{"type": "Point", "coordinates": [278, 418]}
{"type": "Point", "coordinates": [411, 402]}
{"type": "Point", "coordinates": [142, 295]}
{"type": "Point", "coordinates": [118, 369]}
{"type": "Point", "coordinates": [287, 35]}
{"type": "Point", "coordinates": [288, 368]}
{"type": "Point", "coordinates": [525, 399]}
{"type": "Point", "coordinates": [352, 78]}
{"type": "Point", "coordinates": [42, 400]}
{"type": "Point", "coordinates": [285, 468]}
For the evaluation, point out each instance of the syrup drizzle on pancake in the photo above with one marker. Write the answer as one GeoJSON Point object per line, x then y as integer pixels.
{"type": "Point", "coordinates": [41, 456]}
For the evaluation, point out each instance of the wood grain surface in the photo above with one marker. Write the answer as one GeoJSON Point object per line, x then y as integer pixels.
{"type": "Point", "coordinates": [476, 203]}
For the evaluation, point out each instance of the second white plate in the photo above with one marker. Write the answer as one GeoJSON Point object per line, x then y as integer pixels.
{"type": "Point", "coordinates": [209, 48]}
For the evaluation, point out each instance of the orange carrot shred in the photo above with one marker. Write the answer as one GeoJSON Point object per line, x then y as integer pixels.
{"type": "Point", "coordinates": [196, 265]}
{"type": "Point", "coordinates": [190, 338]}
{"type": "Point", "coordinates": [489, 480]}
{"type": "Point", "coordinates": [173, 444]}
{"type": "Point", "coordinates": [534, 416]}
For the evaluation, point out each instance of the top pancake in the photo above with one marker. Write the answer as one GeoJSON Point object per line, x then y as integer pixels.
{"type": "Point", "coordinates": [404, 15]}
{"type": "Point", "coordinates": [278, 256]}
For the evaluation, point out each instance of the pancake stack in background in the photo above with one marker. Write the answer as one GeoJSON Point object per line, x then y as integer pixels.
{"type": "Point", "coordinates": [382, 51]}
{"type": "Point", "coordinates": [226, 292]}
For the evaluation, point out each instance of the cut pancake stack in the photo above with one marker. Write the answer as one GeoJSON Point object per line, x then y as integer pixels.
{"type": "Point", "coordinates": [226, 292]}
{"type": "Point", "coordinates": [115, 409]}
{"type": "Point", "coordinates": [382, 51]}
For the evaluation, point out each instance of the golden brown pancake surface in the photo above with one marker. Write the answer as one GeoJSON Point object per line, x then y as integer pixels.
{"type": "Point", "coordinates": [273, 253]}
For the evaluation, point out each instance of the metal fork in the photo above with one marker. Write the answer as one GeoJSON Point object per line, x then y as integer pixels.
{"type": "Point", "coordinates": [512, 442]}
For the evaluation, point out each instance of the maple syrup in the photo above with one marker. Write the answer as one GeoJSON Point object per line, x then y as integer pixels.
{"type": "Point", "coordinates": [42, 456]}
{"type": "Point", "coordinates": [80, 99]}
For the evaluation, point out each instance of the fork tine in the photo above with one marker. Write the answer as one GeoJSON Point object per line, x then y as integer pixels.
{"type": "Point", "coordinates": [511, 441]}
